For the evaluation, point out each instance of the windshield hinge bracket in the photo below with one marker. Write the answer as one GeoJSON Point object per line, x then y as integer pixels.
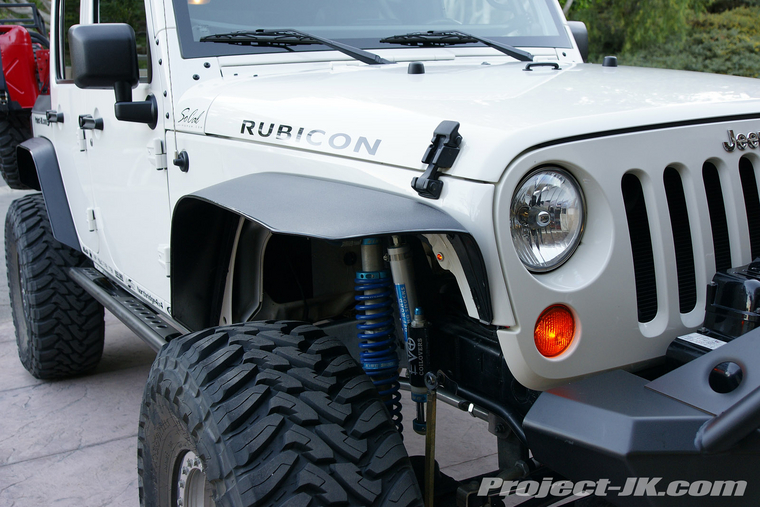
{"type": "Point", "coordinates": [441, 154]}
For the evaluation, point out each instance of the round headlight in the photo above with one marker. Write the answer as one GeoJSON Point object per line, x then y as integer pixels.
{"type": "Point", "coordinates": [546, 218]}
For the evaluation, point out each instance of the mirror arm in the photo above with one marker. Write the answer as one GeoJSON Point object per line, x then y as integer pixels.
{"type": "Point", "coordinates": [123, 91]}
{"type": "Point", "coordinates": [137, 112]}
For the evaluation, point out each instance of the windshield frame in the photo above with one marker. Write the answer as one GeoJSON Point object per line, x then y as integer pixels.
{"type": "Point", "coordinates": [189, 48]}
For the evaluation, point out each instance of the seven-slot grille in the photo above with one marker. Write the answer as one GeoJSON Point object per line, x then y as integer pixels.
{"type": "Point", "coordinates": [679, 209]}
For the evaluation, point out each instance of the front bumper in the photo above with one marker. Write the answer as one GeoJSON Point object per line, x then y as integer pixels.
{"type": "Point", "coordinates": [622, 428]}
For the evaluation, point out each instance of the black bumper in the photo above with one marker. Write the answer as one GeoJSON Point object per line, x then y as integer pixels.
{"type": "Point", "coordinates": [620, 428]}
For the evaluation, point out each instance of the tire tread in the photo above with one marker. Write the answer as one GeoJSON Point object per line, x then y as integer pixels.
{"type": "Point", "coordinates": [14, 130]}
{"type": "Point", "coordinates": [64, 324]}
{"type": "Point", "coordinates": [296, 421]}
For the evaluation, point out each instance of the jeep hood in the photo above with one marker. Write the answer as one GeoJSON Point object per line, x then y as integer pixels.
{"type": "Point", "coordinates": [384, 114]}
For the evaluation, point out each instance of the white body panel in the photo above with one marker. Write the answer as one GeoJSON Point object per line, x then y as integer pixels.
{"type": "Point", "coordinates": [503, 110]}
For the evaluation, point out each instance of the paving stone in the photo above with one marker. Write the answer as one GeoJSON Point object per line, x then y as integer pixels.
{"type": "Point", "coordinates": [96, 476]}
{"type": "Point", "coordinates": [472, 468]}
{"type": "Point", "coordinates": [123, 349]}
{"type": "Point", "coordinates": [63, 416]}
{"type": "Point", "coordinates": [12, 374]}
{"type": "Point", "coordinates": [7, 332]}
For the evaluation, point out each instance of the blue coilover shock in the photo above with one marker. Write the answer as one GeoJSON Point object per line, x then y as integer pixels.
{"type": "Point", "coordinates": [376, 327]}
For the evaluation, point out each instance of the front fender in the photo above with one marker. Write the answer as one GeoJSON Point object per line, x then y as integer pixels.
{"type": "Point", "coordinates": [204, 224]}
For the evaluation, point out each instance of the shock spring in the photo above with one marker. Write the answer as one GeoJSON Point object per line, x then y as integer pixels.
{"type": "Point", "coordinates": [376, 333]}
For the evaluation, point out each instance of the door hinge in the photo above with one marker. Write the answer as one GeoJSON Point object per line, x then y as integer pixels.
{"type": "Point", "coordinates": [82, 140]}
{"type": "Point", "coordinates": [92, 223]}
{"type": "Point", "coordinates": [164, 258]}
{"type": "Point", "coordinates": [157, 154]}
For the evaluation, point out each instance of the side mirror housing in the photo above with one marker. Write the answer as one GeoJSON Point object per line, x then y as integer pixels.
{"type": "Point", "coordinates": [105, 56]}
{"type": "Point", "coordinates": [580, 33]}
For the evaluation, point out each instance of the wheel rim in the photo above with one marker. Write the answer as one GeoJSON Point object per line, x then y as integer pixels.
{"type": "Point", "coordinates": [17, 299]}
{"type": "Point", "coordinates": [193, 488]}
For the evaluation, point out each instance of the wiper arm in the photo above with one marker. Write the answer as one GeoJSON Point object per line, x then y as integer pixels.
{"type": "Point", "coordinates": [452, 38]}
{"type": "Point", "coordinates": [287, 38]}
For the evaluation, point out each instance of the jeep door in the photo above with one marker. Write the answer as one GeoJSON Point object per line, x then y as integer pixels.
{"type": "Point", "coordinates": [128, 175]}
{"type": "Point", "coordinates": [66, 99]}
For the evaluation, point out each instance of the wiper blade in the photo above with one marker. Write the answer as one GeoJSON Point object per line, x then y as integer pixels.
{"type": "Point", "coordinates": [451, 38]}
{"type": "Point", "coordinates": [287, 38]}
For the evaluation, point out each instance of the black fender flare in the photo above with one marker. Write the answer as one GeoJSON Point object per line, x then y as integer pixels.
{"type": "Point", "coordinates": [335, 210]}
{"type": "Point", "coordinates": [37, 158]}
{"type": "Point", "coordinates": [204, 221]}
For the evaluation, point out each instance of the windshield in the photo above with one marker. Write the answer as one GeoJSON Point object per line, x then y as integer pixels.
{"type": "Point", "coordinates": [362, 23]}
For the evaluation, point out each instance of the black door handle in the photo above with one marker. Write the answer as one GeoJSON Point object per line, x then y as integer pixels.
{"type": "Point", "coordinates": [54, 116]}
{"type": "Point", "coordinates": [87, 122]}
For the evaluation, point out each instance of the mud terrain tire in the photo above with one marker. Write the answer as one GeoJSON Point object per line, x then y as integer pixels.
{"type": "Point", "coordinates": [277, 414]}
{"type": "Point", "coordinates": [59, 326]}
{"type": "Point", "coordinates": [13, 131]}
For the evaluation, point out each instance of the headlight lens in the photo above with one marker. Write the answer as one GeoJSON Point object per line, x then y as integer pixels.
{"type": "Point", "coordinates": [547, 218]}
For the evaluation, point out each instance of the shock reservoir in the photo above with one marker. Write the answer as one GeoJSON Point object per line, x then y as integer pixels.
{"type": "Point", "coordinates": [402, 271]}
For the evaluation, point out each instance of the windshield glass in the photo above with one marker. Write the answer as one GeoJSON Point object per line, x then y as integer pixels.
{"type": "Point", "coordinates": [362, 23]}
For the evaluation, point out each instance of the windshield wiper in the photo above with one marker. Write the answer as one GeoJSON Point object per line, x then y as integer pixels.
{"type": "Point", "coordinates": [287, 38]}
{"type": "Point", "coordinates": [451, 38]}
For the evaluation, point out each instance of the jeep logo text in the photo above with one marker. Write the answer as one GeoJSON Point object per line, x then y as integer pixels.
{"type": "Point", "coordinates": [751, 140]}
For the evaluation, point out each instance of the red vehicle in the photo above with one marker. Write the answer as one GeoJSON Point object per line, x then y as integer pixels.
{"type": "Point", "coordinates": [24, 76]}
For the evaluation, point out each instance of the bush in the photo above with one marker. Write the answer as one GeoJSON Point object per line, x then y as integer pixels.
{"type": "Point", "coordinates": [717, 6]}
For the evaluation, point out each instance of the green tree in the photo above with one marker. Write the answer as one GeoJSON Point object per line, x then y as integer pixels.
{"type": "Point", "coordinates": [23, 12]}
{"type": "Point", "coordinates": [617, 26]}
{"type": "Point", "coordinates": [724, 42]}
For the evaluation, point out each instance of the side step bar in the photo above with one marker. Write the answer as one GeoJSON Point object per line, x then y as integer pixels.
{"type": "Point", "coordinates": [138, 317]}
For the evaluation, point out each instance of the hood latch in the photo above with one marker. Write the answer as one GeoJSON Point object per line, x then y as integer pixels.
{"type": "Point", "coordinates": [441, 154]}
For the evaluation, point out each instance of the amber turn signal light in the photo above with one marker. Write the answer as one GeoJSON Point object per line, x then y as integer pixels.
{"type": "Point", "coordinates": [554, 331]}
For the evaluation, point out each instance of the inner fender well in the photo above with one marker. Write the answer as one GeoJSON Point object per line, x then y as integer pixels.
{"type": "Point", "coordinates": [201, 245]}
{"type": "Point", "coordinates": [27, 170]}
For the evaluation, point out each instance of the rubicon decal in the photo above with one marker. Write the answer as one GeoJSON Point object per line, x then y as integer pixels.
{"type": "Point", "coordinates": [741, 141]}
{"type": "Point", "coordinates": [310, 137]}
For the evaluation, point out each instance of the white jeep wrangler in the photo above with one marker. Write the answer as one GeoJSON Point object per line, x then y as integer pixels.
{"type": "Point", "coordinates": [310, 205]}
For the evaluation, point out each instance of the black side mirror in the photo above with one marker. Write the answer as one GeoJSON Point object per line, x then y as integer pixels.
{"type": "Point", "coordinates": [105, 56]}
{"type": "Point", "coordinates": [580, 33]}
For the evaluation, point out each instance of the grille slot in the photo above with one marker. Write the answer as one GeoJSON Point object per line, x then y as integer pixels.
{"type": "Point", "coordinates": [752, 204]}
{"type": "Point", "coordinates": [718, 221]}
{"type": "Point", "coordinates": [684, 251]}
{"type": "Point", "coordinates": [641, 247]}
